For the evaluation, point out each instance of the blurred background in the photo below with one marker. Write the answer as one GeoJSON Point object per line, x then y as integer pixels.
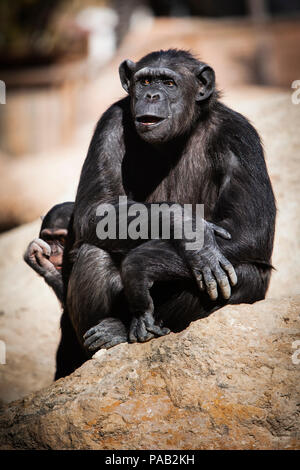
{"type": "Point", "coordinates": [59, 65]}
{"type": "Point", "coordinates": [59, 61]}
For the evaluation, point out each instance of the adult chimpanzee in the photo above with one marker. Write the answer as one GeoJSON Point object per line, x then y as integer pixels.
{"type": "Point", "coordinates": [45, 254]}
{"type": "Point", "coordinates": [170, 140]}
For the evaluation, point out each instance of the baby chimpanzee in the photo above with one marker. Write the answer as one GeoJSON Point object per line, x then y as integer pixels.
{"type": "Point", "coordinates": [45, 254]}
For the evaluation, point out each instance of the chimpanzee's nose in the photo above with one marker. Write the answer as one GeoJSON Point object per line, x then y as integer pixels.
{"type": "Point", "coordinates": [153, 96]}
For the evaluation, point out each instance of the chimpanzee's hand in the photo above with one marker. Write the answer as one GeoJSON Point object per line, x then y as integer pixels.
{"type": "Point", "coordinates": [209, 266]}
{"type": "Point", "coordinates": [143, 328]}
{"type": "Point", "coordinates": [37, 255]}
{"type": "Point", "coordinates": [108, 333]}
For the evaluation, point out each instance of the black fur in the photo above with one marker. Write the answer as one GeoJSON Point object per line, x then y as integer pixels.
{"type": "Point", "coordinates": [203, 153]}
{"type": "Point", "coordinates": [58, 216]}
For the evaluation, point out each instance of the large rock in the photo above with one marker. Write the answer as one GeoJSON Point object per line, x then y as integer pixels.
{"type": "Point", "coordinates": [230, 381]}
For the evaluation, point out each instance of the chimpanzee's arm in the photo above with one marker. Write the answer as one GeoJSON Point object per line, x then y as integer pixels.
{"type": "Point", "coordinates": [54, 280]}
{"type": "Point", "coordinates": [245, 207]}
{"type": "Point", "coordinates": [36, 257]}
{"type": "Point", "coordinates": [101, 176]}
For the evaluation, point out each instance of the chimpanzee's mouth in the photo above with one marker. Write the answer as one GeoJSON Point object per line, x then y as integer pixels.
{"type": "Point", "coordinates": [149, 120]}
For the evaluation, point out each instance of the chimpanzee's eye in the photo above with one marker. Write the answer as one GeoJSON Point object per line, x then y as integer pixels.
{"type": "Point", "coordinates": [169, 82]}
{"type": "Point", "coordinates": [145, 81]}
{"type": "Point", "coordinates": [62, 240]}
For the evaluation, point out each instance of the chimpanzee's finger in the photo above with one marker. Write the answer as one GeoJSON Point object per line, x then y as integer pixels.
{"type": "Point", "coordinates": [152, 327]}
{"type": "Point", "coordinates": [90, 332]}
{"type": "Point", "coordinates": [132, 331]}
{"type": "Point", "coordinates": [223, 282]}
{"type": "Point", "coordinates": [199, 279]}
{"type": "Point", "coordinates": [230, 270]}
{"type": "Point", "coordinates": [113, 342]}
{"type": "Point", "coordinates": [95, 341]}
{"type": "Point", "coordinates": [42, 246]}
{"type": "Point", "coordinates": [220, 231]}
{"type": "Point", "coordinates": [210, 283]}
{"type": "Point", "coordinates": [158, 331]}
{"type": "Point", "coordinates": [143, 334]}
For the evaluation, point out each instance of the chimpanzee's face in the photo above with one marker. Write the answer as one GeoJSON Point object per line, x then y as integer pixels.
{"type": "Point", "coordinates": [159, 104]}
{"type": "Point", "coordinates": [56, 239]}
{"type": "Point", "coordinates": [54, 231]}
{"type": "Point", "coordinates": [164, 96]}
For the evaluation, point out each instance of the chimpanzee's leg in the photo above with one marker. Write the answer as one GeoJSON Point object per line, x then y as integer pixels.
{"type": "Point", "coordinates": [152, 262]}
{"type": "Point", "coordinates": [175, 299]}
{"type": "Point", "coordinates": [178, 303]}
{"type": "Point", "coordinates": [70, 354]}
{"type": "Point", "coordinates": [99, 310]}
{"type": "Point", "coordinates": [95, 300]}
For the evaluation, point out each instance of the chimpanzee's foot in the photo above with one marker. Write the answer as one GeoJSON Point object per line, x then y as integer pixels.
{"type": "Point", "coordinates": [108, 333]}
{"type": "Point", "coordinates": [143, 328]}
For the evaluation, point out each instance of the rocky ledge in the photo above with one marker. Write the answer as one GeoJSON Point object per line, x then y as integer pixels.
{"type": "Point", "coordinates": [229, 381]}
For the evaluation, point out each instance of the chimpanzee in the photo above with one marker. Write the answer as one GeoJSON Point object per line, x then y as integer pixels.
{"type": "Point", "coordinates": [45, 254]}
{"type": "Point", "coordinates": [170, 140]}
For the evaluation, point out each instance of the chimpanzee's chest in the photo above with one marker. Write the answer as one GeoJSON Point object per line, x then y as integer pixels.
{"type": "Point", "coordinates": [154, 179]}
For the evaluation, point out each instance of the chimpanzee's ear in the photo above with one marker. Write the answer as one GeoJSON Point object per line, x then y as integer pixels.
{"type": "Point", "coordinates": [206, 78]}
{"type": "Point", "coordinates": [126, 69]}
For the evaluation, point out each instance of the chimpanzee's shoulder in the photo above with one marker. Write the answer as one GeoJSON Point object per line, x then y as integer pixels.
{"type": "Point", "coordinates": [118, 110]}
{"type": "Point", "coordinates": [233, 123]}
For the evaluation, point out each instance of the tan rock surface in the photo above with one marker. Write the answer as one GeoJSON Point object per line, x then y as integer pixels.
{"type": "Point", "coordinates": [227, 382]}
